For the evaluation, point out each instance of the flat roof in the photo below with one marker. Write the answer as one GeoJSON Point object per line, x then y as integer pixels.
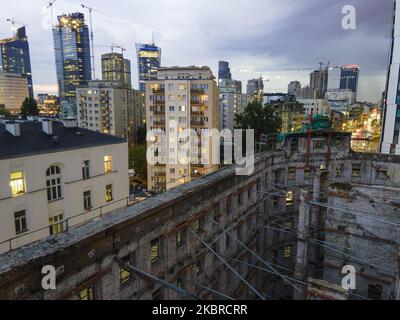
{"type": "Point", "coordinates": [34, 141]}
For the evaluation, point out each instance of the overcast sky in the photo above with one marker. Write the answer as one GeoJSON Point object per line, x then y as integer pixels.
{"type": "Point", "coordinates": [257, 37]}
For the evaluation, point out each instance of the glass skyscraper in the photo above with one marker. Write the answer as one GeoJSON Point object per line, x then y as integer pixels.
{"type": "Point", "coordinates": [115, 68]}
{"type": "Point", "coordinates": [72, 53]}
{"type": "Point", "coordinates": [15, 58]}
{"type": "Point", "coordinates": [149, 59]}
{"type": "Point", "coordinates": [224, 72]}
{"type": "Point", "coordinates": [349, 78]}
{"type": "Point", "coordinates": [390, 137]}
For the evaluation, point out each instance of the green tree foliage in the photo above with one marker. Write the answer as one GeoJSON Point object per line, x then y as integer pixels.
{"type": "Point", "coordinates": [5, 112]}
{"type": "Point", "coordinates": [138, 161]}
{"type": "Point", "coordinates": [260, 118]}
{"type": "Point", "coordinates": [29, 108]}
{"type": "Point", "coordinates": [141, 134]}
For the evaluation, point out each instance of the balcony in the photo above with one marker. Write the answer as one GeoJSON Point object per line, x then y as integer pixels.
{"type": "Point", "coordinates": [159, 123]}
{"type": "Point", "coordinates": [196, 102]}
{"type": "Point", "coordinates": [197, 123]}
{"type": "Point", "coordinates": [158, 90]}
{"type": "Point", "coordinates": [160, 174]}
{"type": "Point", "coordinates": [197, 91]}
{"type": "Point", "coordinates": [159, 112]}
{"type": "Point", "coordinates": [197, 113]}
{"type": "Point", "coordinates": [159, 102]}
{"type": "Point", "coordinates": [195, 175]}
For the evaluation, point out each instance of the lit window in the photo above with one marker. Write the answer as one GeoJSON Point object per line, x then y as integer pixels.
{"type": "Point", "coordinates": [289, 198]}
{"type": "Point", "coordinates": [20, 222]}
{"type": "Point", "coordinates": [356, 170]}
{"type": "Point", "coordinates": [56, 224]}
{"type": "Point", "coordinates": [17, 183]}
{"type": "Point", "coordinates": [107, 164]}
{"type": "Point", "coordinates": [109, 196]}
{"type": "Point", "coordinates": [86, 294]}
{"type": "Point", "coordinates": [155, 250]}
{"type": "Point", "coordinates": [287, 253]}
{"type": "Point", "coordinates": [181, 87]}
{"type": "Point", "coordinates": [53, 183]}
{"type": "Point", "coordinates": [180, 238]}
{"type": "Point", "coordinates": [124, 275]}
{"type": "Point", "coordinates": [179, 283]}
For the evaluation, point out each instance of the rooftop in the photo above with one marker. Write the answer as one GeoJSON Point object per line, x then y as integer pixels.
{"type": "Point", "coordinates": [34, 141]}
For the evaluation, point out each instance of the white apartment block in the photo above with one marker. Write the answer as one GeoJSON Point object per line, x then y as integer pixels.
{"type": "Point", "coordinates": [316, 106]}
{"type": "Point", "coordinates": [187, 96]}
{"type": "Point", "coordinates": [230, 104]}
{"type": "Point", "coordinates": [56, 176]}
{"type": "Point", "coordinates": [109, 107]}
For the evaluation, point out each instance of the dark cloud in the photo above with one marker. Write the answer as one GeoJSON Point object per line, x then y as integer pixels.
{"type": "Point", "coordinates": [258, 37]}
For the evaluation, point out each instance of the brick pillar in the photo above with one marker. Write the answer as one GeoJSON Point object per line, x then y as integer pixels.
{"type": "Point", "coordinates": [302, 245]}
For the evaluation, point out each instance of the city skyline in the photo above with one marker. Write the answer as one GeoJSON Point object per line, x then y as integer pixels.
{"type": "Point", "coordinates": [260, 46]}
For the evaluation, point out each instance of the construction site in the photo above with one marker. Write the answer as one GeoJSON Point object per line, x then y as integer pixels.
{"type": "Point", "coordinates": [311, 207]}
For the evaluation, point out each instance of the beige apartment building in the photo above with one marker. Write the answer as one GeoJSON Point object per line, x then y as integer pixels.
{"type": "Point", "coordinates": [180, 98]}
{"type": "Point", "coordinates": [110, 107]}
{"type": "Point", "coordinates": [55, 176]}
{"type": "Point", "coordinates": [13, 91]}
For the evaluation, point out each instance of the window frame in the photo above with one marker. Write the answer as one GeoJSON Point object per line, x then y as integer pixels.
{"type": "Point", "coordinates": [17, 180]}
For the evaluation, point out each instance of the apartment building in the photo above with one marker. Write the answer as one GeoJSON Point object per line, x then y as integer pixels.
{"type": "Point", "coordinates": [315, 106]}
{"type": "Point", "coordinates": [109, 107]}
{"type": "Point", "coordinates": [187, 98]}
{"type": "Point", "coordinates": [55, 176]}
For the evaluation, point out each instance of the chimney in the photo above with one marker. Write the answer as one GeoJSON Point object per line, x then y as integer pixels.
{"type": "Point", "coordinates": [47, 126]}
{"type": "Point", "coordinates": [70, 122]}
{"type": "Point", "coordinates": [13, 128]}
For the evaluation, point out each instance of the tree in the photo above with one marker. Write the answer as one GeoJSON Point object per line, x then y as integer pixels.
{"type": "Point", "coordinates": [141, 134]}
{"type": "Point", "coordinates": [5, 112]}
{"type": "Point", "coordinates": [260, 118]}
{"type": "Point", "coordinates": [138, 161]}
{"type": "Point", "coordinates": [29, 108]}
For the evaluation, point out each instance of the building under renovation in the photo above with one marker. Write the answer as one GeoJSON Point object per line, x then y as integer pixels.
{"type": "Point", "coordinates": [311, 207]}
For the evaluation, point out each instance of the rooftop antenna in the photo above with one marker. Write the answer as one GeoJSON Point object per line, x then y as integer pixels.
{"type": "Point", "coordinates": [152, 37]}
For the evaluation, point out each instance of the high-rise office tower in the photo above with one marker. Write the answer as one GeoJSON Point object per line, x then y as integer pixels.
{"type": "Point", "coordinates": [349, 78]}
{"type": "Point", "coordinates": [72, 53]}
{"type": "Point", "coordinates": [255, 89]}
{"type": "Point", "coordinates": [15, 58]}
{"type": "Point", "coordinates": [390, 143]}
{"type": "Point", "coordinates": [294, 88]}
{"type": "Point", "coordinates": [319, 83]}
{"type": "Point", "coordinates": [224, 72]}
{"type": "Point", "coordinates": [115, 68]}
{"type": "Point", "coordinates": [149, 59]}
{"type": "Point", "coordinates": [13, 91]}
{"type": "Point", "coordinates": [334, 76]}
{"type": "Point", "coordinates": [177, 99]}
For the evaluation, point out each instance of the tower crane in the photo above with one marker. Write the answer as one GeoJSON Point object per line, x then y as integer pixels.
{"type": "Point", "coordinates": [50, 6]}
{"type": "Point", "coordinates": [91, 34]}
{"type": "Point", "coordinates": [13, 22]}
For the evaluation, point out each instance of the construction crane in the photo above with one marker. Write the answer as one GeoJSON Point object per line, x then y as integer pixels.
{"type": "Point", "coordinates": [13, 22]}
{"type": "Point", "coordinates": [50, 6]}
{"type": "Point", "coordinates": [119, 47]}
{"type": "Point", "coordinates": [112, 46]}
{"type": "Point", "coordinates": [91, 34]}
